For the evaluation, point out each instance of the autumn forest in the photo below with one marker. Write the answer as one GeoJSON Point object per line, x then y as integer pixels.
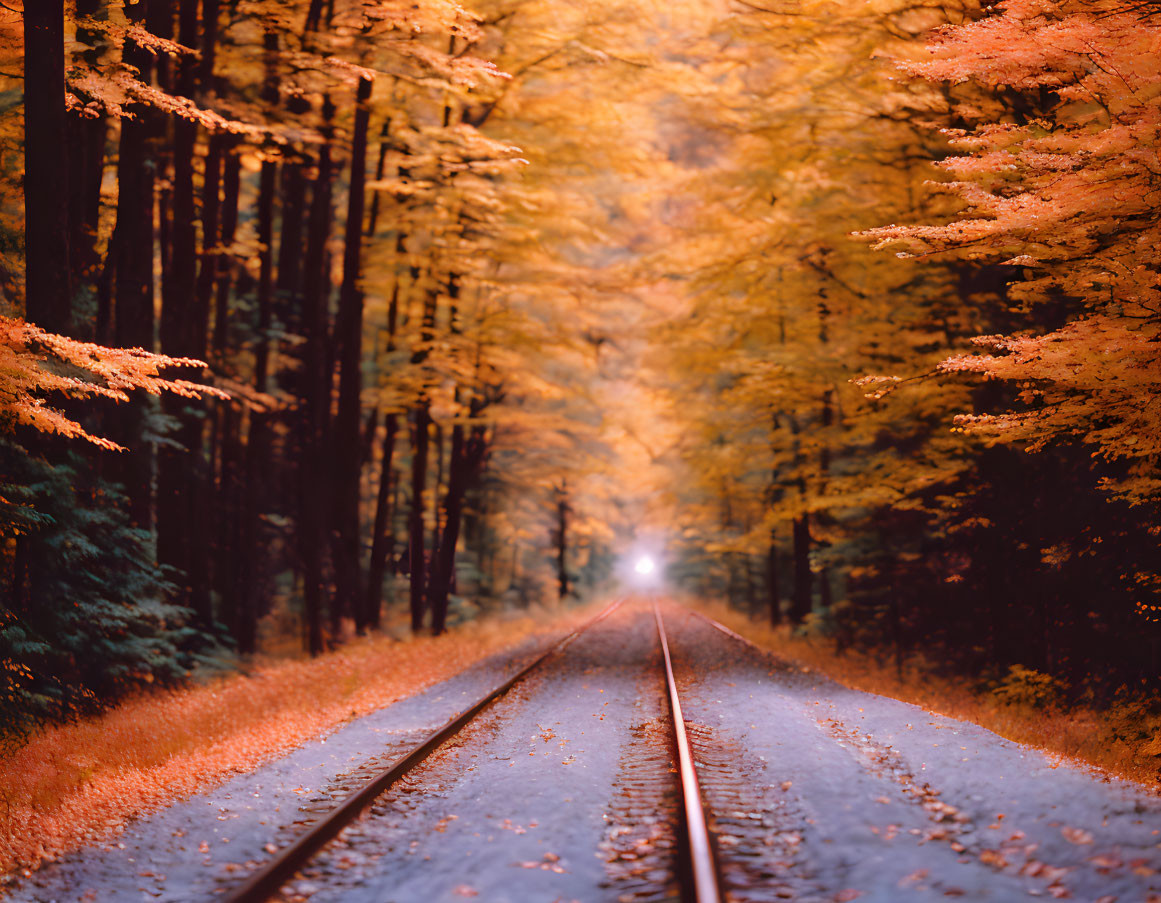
{"type": "Point", "coordinates": [322, 319]}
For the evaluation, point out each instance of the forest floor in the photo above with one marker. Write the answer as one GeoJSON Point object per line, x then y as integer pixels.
{"type": "Point", "coordinates": [1123, 740]}
{"type": "Point", "coordinates": [82, 783]}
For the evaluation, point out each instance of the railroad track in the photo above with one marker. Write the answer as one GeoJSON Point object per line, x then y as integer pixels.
{"type": "Point", "coordinates": [698, 870]}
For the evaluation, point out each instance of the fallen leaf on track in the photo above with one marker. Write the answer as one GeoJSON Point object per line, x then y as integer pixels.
{"type": "Point", "coordinates": [1077, 836]}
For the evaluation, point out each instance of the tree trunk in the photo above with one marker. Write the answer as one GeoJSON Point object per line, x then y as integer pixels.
{"type": "Point", "coordinates": [228, 550]}
{"type": "Point", "coordinates": [46, 168]}
{"type": "Point", "coordinates": [313, 17]}
{"type": "Point", "coordinates": [253, 497]}
{"type": "Point", "coordinates": [382, 537]}
{"type": "Point", "coordinates": [824, 594]}
{"type": "Point", "coordinates": [316, 387]}
{"type": "Point", "coordinates": [380, 170]}
{"type": "Point", "coordinates": [562, 512]}
{"type": "Point", "coordinates": [128, 283]}
{"type": "Point", "coordinates": [290, 234]}
{"type": "Point", "coordinates": [421, 424]}
{"type": "Point", "coordinates": [729, 559]}
{"type": "Point", "coordinates": [438, 486]}
{"type": "Point", "coordinates": [346, 451]}
{"type": "Point", "coordinates": [87, 137]}
{"type": "Point", "coordinates": [801, 603]}
{"type": "Point", "coordinates": [209, 46]}
{"type": "Point", "coordinates": [159, 21]}
{"type": "Point", "coordinates": [772, 578]}
{"type": "Point", "coordinates": [463, 468]}
{"type": "Point", "coordinates": [183, 515]}
{"type": "Point", "coordinates": [224, 266]}
{"type": "Point", "coordinates": [211, 216]}
{"type": "Point", "coordinates": [266, 183]}
{"type": "Point", "coordinates": [752, 604]}
{"type": "Point", "coordinates": [419, 441]}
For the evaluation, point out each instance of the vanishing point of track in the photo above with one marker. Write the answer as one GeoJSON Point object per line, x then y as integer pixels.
{"type": "Point", "coordinates": [696, 852]}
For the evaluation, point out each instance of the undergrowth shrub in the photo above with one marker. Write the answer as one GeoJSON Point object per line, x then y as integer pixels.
{"type": "Point", "coordinates": [1027, 687]}
{"type": "Point", "coordinates": [85, 610]}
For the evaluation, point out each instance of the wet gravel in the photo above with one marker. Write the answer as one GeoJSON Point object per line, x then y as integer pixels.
{"type": "Point", "coordinates": [822, 793]}
{"type": "Point", "coordinates": [565, 790]}
{"type": "Point", "coordinates": [560, 791]}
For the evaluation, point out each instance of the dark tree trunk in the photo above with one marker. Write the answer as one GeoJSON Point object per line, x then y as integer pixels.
{"type": "Point", "coordinates": [46, 168]}
{"type": "Point", "coordinates": [209, 45]}
{"type": "Point", "coordinates": [801, 602]}
{"type": "Point", "coordinates": [228, 550]}
{"type": "Point", "coordinates": [313, 17]}
{"type": "Point", "coordinates": [257, 484]}
{"type": "Point", "coordinates": [184, 500]}
{"type": "Point", "coordinates": [316, 385]}
{"type": "Point", "coordinates": [224, 266]}
{"type": "Point", "coordinates": [561, 536]}
{"type": "Point", "coordinates": [87, 161]}
{"type": "Point", "coordinates": [419, 442]}
{"type": "Point", "coordinates": [159, 21]}
{"type": "Point", "coordinates": [773, 597]}
{"type": "Point", "coordinates": [824, 592]}
{"type": "Point", "coordinates": [421, 424]}
{"type": "Point", "coordinates": [290, 235]}
{"type": "Point", "coordinates": [380, 170]}
{"type": "Point", "coordinates": [211, 216]}
{"type": "Point", "coordinates": [346, 451]}
{"type": "Point", "coordinates": [729, 558]}
{"type": "Point", "coordinates": [87, 137]}
{"type": "Point", "coordinates": [464, 465]}
{"type": "Point", "coordinates": [382, 537]}
{"type": "Point", "coordinates": [251, 576]}
{"type": "Point", "coordinates": [752, 603]}
{"type": "Point", "coordinates": [128, 319]}
{"type": "Point", "coordinates": [266, 184]}
{"type": "Point", "coordinates": [436, 489]}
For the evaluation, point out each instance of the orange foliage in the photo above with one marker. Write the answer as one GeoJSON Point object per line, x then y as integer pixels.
{"type": "Point", "coordinates": [77, 783]}
{"type": "Point", "coordinates": [1122, 740]}
{"type": "Point", "coordinates": [33, 362]}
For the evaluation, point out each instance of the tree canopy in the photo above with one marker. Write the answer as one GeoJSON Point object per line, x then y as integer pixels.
{"type": "Point", "coordinates": [423, 309]}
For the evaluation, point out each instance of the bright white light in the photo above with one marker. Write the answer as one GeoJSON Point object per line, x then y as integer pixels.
{"type": "Point", "coordinates": [644, 565]}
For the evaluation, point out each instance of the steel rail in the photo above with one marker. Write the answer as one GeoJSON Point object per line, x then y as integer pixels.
{"type": "Point", "coordinates": [701, 856]}
{"type": "Point", "coordinates": [262, 884]}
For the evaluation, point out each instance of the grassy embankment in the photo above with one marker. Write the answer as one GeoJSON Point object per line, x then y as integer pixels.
{"type": "Point", "coordinates": [79, 783]}
{"type": "Point", "coordinates": [1124, 739]}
